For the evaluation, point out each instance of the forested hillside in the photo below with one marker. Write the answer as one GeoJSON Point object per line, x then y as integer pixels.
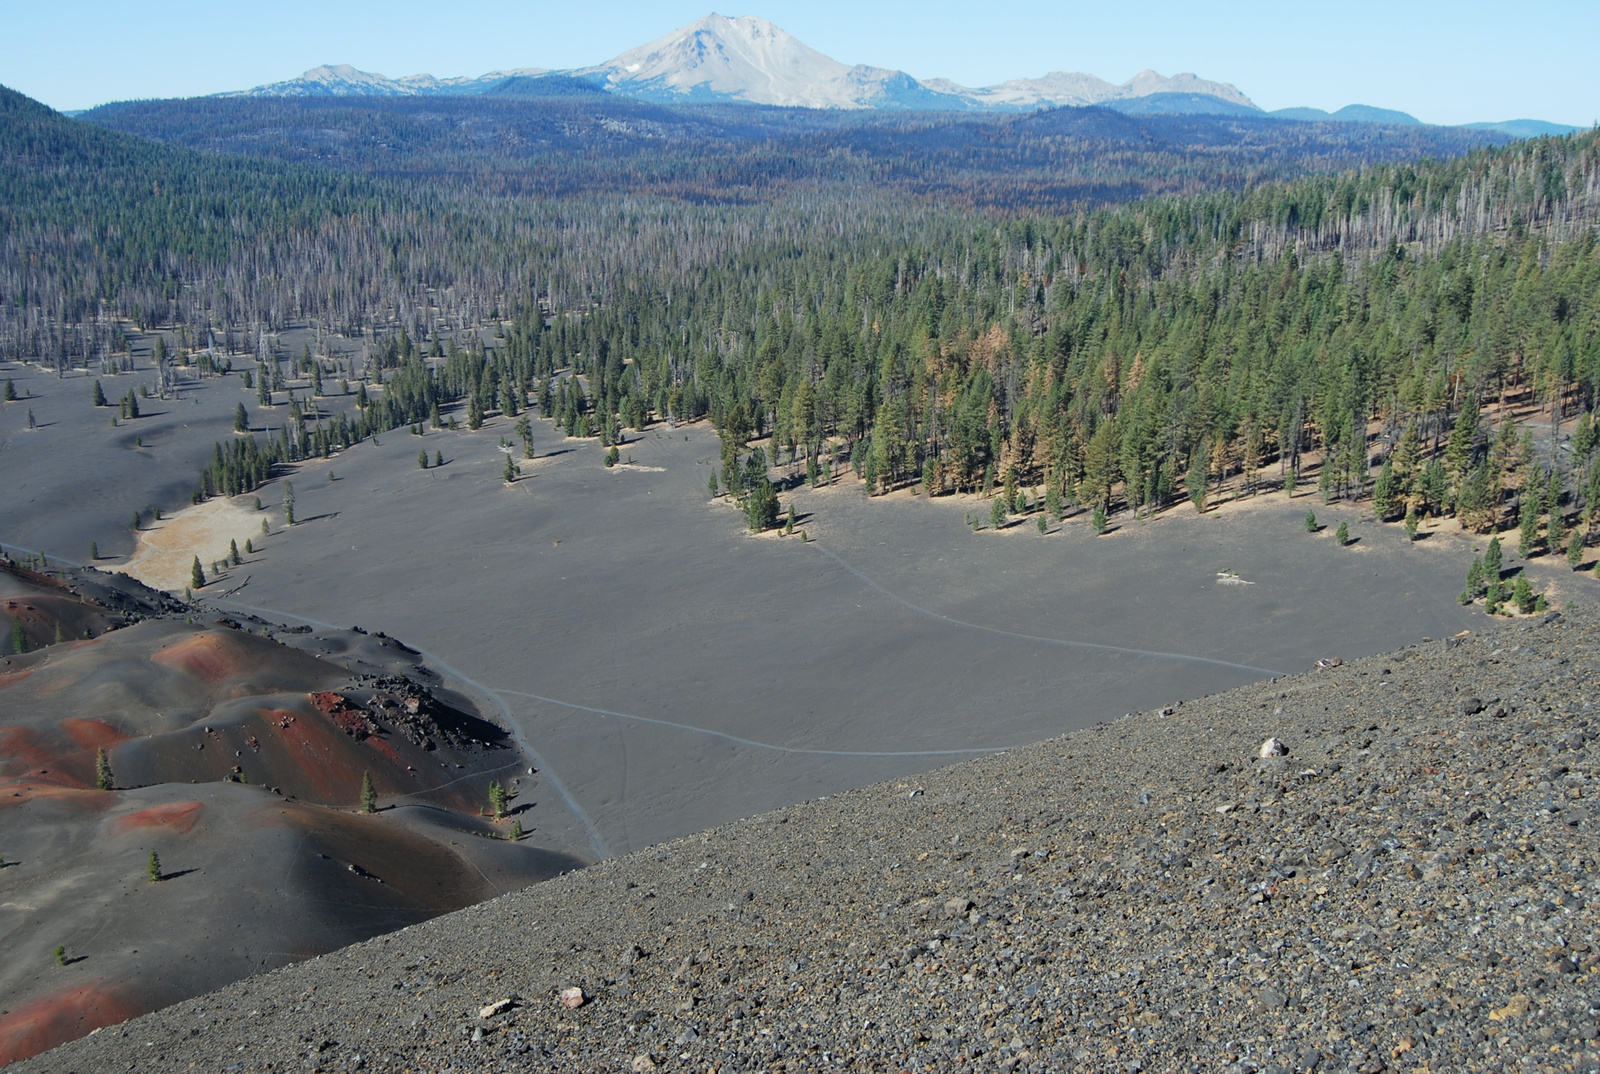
{"type": "Point", "coordinates": [1057, 160]}
{"type": "Point", "coordinates": [1115, 355]}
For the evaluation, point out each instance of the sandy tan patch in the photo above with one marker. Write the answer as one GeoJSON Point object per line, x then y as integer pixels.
{"type": "Point", "coordinates": [168, 548]}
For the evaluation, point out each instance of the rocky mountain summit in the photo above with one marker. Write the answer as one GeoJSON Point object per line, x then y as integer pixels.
{"type": "Point", "coordinates": [1379, 864]}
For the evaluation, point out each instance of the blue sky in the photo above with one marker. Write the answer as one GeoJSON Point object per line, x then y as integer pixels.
{"type": "Point", "coordinates": [1443, 62]}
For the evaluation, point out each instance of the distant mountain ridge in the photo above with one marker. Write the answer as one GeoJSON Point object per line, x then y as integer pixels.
{"type": "Point", "coordinates": [749, 60]}
{"type": "Point", "coordinates": [342, 80]}
{"type": "Point", "coordinates": [746, 59]}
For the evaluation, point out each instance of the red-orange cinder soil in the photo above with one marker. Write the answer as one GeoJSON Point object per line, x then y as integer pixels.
{"type": "Point", "coordinates": [201, 657]}
{"type": "Point", "coordinates": [61, 1016]}
{"type": "Point", "coordinates": [178, 816]}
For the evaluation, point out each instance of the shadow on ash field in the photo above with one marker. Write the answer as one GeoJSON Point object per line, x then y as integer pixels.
{"type": "Point", "coordinates": [239, 761]}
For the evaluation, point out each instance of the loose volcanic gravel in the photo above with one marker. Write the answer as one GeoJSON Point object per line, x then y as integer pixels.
{"type": "Point", "coordinates": [1411, 887]}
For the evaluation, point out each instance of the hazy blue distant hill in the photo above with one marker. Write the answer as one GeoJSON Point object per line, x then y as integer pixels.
{"type": "Point", "coordinates": [1180, 104]}
{"type": "Point", "coordinates": [557, 86]}
{"type": "Point", "coordinates": [1524, 128]}
{"type": "Point", "coordinates": [1350, 113]}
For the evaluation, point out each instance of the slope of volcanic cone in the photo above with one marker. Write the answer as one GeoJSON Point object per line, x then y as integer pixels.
{"type": "Point", "coordinates": [249, 882]}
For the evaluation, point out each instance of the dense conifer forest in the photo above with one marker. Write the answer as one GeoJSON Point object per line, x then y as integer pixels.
{"type": "Point", "coordinates": [1380, 318]}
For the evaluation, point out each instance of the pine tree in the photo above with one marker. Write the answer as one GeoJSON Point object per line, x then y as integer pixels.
{"type": "Point", "coordinates": [369, 794]}
{"type": "Point", "coordinates": [510, 470]}
{"type": "Point", "coordinates": [788, 528]}
{"type": "Point", "coordinates": [197, 576]}
{"type": "Point", "coordinates": [233, 553]}
{"type": "Point", "coordinates": [1575, 549]}
{"type": "Point", "coordinates": [11, 391]}
{"type": "Point", "coordinates": [102, 770]}
{"type": "Point", "coordinates": [152, 867]}
{"type": "Point", "coordinates": [288, 504]}
{"type": "Point", "coordinates": [99, 395]}
{"type": "Point", "coordinates": [1462, 446]}
{"type": "Point", "coordinates": [997, 512]}
{"type": "Point", "coordinates": [1342, 534]}
{"type": "Point", "coordinates": [1493, 594]}
{"type": "Point", "coordinates": [1099, 521]}
{"type": "Point", "coordinates": [1411, 523]}
{"type": "Point", "coordinates": [1052, 503]}
{"type": "Point", "coordinates": [94, 551]}
{"type": "Point", "coordinates": [1528, 522]}
{"type": "Point", "coordinates": [241, 419]}
{"type": "Point", "coordinates": [497, 800]}
{"type": "Point", "coordinates": [422, 458]}
{"type": "Point", "coordinates": [516, 831]}
{"type": "Point", "coordinates": [761, 505]}
{"type": "Point", "coordinates": [1311, 522]}
{"type": "Point", "coordinates": [1493, 561]}
{"type": "Point", "coordinates": [438, 458]}
{"type": "Point", "coordinates": [1383, 491]}
{"type": "Point", "coordinates": [1194, 482]}
{"type": "Point", "coordinates": [1522, 594]}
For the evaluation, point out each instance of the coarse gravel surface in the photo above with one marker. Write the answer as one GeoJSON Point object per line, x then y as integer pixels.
{"type": "Point", "coordinates": [1411, 887]}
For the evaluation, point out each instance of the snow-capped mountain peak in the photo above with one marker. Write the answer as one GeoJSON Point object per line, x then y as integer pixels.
{"type": "Point", "coordinates": [743, 59]}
